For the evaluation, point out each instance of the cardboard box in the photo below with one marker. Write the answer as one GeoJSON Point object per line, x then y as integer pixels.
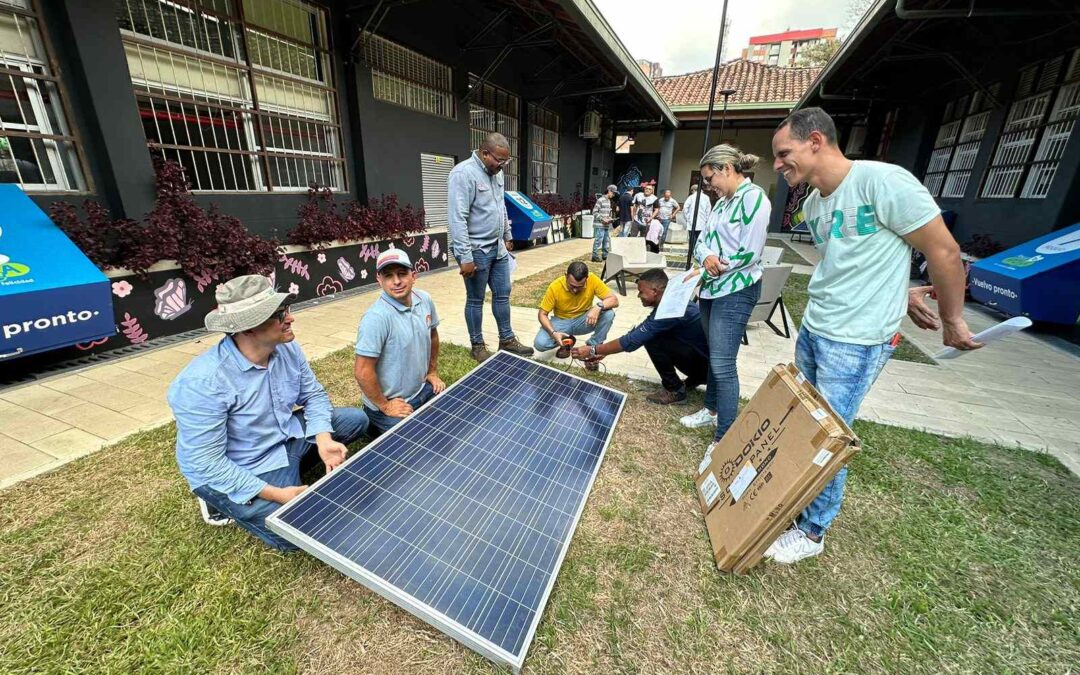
{"type": "Point", "coordinates": [784, 447]}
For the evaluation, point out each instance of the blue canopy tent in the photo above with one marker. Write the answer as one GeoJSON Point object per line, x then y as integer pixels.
{"type": "Point", "coordinates": [527, 220]}
{"type": "Point", "coordinates": [51, 295]}
{"type": "Point", "coordinates": [1039, 279]}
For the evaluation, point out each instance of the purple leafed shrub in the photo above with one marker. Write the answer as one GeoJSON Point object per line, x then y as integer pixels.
{"type": "Point", "coordinates": [321, 221]}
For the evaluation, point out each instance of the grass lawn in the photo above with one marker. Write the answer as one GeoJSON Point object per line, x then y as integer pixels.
{"type": "Point", "coordinates": [528, 292]}
{"type": "Point", "coordinates": [949, 556]}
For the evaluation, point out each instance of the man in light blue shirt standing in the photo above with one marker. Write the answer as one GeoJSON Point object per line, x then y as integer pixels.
{"type": "Point", "coordinates": [238, 442]}
{"type": "Point", "coordinates": [480, 240]}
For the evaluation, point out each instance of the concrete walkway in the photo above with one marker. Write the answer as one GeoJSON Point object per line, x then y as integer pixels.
{"type": "Point", "coordinates": [1021, 392]}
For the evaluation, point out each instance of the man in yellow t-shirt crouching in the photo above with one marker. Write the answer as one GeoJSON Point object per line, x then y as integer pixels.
{"type": "Point", "coordinates": [576, 304]}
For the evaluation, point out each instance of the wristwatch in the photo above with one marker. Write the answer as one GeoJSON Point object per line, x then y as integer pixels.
{"type": "Point", "coordinates": [600, 305]}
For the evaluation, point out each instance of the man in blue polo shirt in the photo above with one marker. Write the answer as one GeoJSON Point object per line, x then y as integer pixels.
{"type": "Point", "coordinates": [397, 345]}
{"type": "Point", "coordinates": [672, 344]}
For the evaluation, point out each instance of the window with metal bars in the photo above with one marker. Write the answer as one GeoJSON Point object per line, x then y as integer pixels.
{"type": "Point", "coordinates": [38, 150]}
{"type": "Point", "coordinates": [544, 146]}
{"type": "Point", "coordinates": [407, 78]}
{"type": "Point", "coordinates": [241, 93]}
{"type": "Point", "coordinates": [492, 110]}
{"type": "Point", "coordinates": [1037, 128]}
{"type": "Point", "coordinates": [957, 144]}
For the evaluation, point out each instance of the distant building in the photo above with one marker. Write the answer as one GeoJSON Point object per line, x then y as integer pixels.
{"type": "Point", "coordinates": [782, 49]}
{"type": "Point", "coordinates": [650, 68]}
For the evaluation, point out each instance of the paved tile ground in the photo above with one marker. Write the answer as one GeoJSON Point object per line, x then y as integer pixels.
{"type": "Point", "coordinates": [1022, 392]}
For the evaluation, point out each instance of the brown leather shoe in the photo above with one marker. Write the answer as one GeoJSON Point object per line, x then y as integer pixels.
{"type": "Point", "coordinates": [514, 347]}
{"type": "Point", "coordinates": [665, 397]}
{"type": "Point", "coordinates": [480, 352]}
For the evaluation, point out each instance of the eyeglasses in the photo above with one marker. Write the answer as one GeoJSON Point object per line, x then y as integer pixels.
{"type": "Point", "coordinates": [499, 162]}
{"type": "Point", "coordinates": [280, 314]}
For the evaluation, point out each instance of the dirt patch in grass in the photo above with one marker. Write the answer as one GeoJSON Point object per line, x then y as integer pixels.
{"type": "Point", "coordinates": [948, 556]}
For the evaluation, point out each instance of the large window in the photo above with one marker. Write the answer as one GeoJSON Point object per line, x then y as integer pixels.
{"type": "Point", "coordinates": [240, 92]}
{"type": "Point", "coordinates": [409, 79]}
{"type": "Point", "coordinates": [1036, 130]}
{"type": "Point", "coordinates": [38, 151]}
{"type": "Point", "coordinates": [544, 140]}
{"type": "Point", "coordinates": [957, 144]}
{"type": "Point", "coordinates": [494, 110]}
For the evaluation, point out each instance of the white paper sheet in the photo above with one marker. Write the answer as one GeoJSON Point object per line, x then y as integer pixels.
{"type": "Point", "coordinates": [512, 262]}
{"type": "Point", "coordinates": [991, 334]}
{"type": "Point", "coordinates": [680, 289]}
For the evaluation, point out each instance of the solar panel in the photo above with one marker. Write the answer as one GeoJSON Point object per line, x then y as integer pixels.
{"type": "Point", "coordinates": [462, 513]}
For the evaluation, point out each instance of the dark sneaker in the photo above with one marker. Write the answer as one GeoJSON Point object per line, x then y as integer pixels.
{"type": "Point", "coordinates": [597, 259]}
{"type": "Point", "coordinates": [665, 397]}
{"type": "Point", "coordinates": [212, 516]}
{"type": "Point", "coordinates": [480, 352]}
{"type": "Point", "coordinates": [514, 347]}
{"type": "Point", "coordinates": [563, 353]}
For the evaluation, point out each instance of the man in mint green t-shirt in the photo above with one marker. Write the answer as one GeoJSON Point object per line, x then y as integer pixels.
{"type": "Point", "coordinates": [865, 217]}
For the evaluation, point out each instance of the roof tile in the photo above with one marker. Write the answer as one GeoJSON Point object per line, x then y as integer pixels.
{"type": "Point", "coordinates": [752, 82]}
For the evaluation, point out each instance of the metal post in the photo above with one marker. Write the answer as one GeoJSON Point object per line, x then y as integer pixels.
{"type": "Point", "coordinates": [708, 124]}
{"type": "Point", "coordinates": [723, 115]}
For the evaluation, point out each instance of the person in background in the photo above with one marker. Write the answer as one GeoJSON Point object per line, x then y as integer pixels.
{"type": "Point", "coordinates": [644, 206]}
{"type": "Point", "coordinates": [654, 235]}
{"type": "Point", "coordinates": [397, 345]}
{"type": "Point", "coordinates": [673, 345]}
{"type": "Point", "coordinates": [240, 444]}
{"type": "Point", "coordinates": [704, 205]}
{"type": "Point", "coordinates": [603, 217]}
{"type": "Point", "coordinates": [479, 231]}
{"type": "Point", "coordinates": [865, 218]}
{"type": "Point", "coordinates": [729, 251]}
{"type": "Point", "coordinates": [668, 209]}
{"type": "Point", "coordinates": [626, 211]}
{"type": "Point", "coordinates": [571, 299]}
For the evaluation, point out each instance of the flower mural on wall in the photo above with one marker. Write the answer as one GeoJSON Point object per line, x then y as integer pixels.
{"type": "Point", "coordinates": [329, 286]}
{"type": "Point", "coordinates": [434, 249]}
{"type": "Point", "coordinates": [427, 242]}
{"type": "Point", "coordinates": [122, 288]}
{"type": "Point", "coordinates": [133, 331]}
{"type": "Point", "coordinates": [421, 265]}
{"type": "Point", "coordinates": [369, 252]}
{"type": "Point", "coordinates": [321, 258]}
{"type": "Point", "coordinates": [294, 289]}
{"type": "Point", "coordinates": [171, 299]}
{"type": "Point", "coordinates": [363, 274]}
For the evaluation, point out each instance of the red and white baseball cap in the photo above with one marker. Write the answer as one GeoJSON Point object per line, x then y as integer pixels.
{"type": "Point", "coordinates": [392, 256]}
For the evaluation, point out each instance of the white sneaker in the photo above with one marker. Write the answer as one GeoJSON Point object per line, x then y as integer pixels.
{"type": "Point", "coordinates": [701, 418]}
{"type": "Point", "coordinates": [212, 516]}
{"type": "Point", "coordinates": [794, 545]}
{"type": "Point", "coordinates": [784, 540]}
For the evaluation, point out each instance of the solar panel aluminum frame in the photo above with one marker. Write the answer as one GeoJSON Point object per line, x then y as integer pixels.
{"type": "Point", "coordinates": [417, 608]}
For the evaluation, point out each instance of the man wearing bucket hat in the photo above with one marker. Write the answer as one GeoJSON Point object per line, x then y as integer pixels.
{"type": "Point", "coordinates": [397, 345]}
{"type": "Point", "coordinates": [238, 442]}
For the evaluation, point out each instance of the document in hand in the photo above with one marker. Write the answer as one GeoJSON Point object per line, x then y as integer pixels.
{"type": "Point", "coordinates": [679, 292]}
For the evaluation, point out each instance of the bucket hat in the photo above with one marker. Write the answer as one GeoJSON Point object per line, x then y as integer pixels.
{"type": "Point", "coordinates": [244, 303]}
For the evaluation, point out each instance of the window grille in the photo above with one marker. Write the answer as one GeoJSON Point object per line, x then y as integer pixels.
{"type": "Point", "coordinates": [492, 110]}
{"type": "Point", "coordinates": [544, 148]}
{"type": "Point", "coordinates": [241, 93]}
{"type": "Point", "coordinates": [38, 150]}
{"type": "Point", "coordinates": [1036, 130]}
{"type": "Point", "coordinates": [407, 78]}
{"type": "Point", "coordinates": [957, 145]}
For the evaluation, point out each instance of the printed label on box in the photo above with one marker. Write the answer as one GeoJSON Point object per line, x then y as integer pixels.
{"type": "Point", "coordinates": [710, 490]}
{"type": "Point", "coordinates": [742, 481]}
{"type": "Point", "coordinates": [823, 457]}
{"type": "Point", "coordinates": [819, 414]}
{"type": "Point", "coordinates": [705, 462]}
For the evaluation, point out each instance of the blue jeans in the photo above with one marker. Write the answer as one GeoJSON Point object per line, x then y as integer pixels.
{"type": "Point", "coordinates": [576, 326]}
{"type": "Point", "coordinates": [843, 373]}
{"type": "Point", "coordinates": [349, 425]}
{"type": "Point", "coordinates": [381, 422]}
{"type": "Point", "coordinates": [494, 273]}
{"type": "Point", "coordinates": [625, 229]}
{"type": "Point", "coordinates": [724, 321]}
{"type": "Point", "coordinates": [665, 223]}
{"type": "Point", "coordinates": [601, 243]}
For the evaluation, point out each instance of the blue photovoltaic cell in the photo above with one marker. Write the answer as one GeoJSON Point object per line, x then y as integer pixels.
{"type": "Point", "coordinates": [469, 505]}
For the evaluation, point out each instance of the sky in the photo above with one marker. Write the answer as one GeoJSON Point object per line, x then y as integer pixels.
{"type": "Point", "coordinates": [681, 34]}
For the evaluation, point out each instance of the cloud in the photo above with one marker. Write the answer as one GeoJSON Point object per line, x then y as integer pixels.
{"type": "Point", "coordinates": [682, 34]}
